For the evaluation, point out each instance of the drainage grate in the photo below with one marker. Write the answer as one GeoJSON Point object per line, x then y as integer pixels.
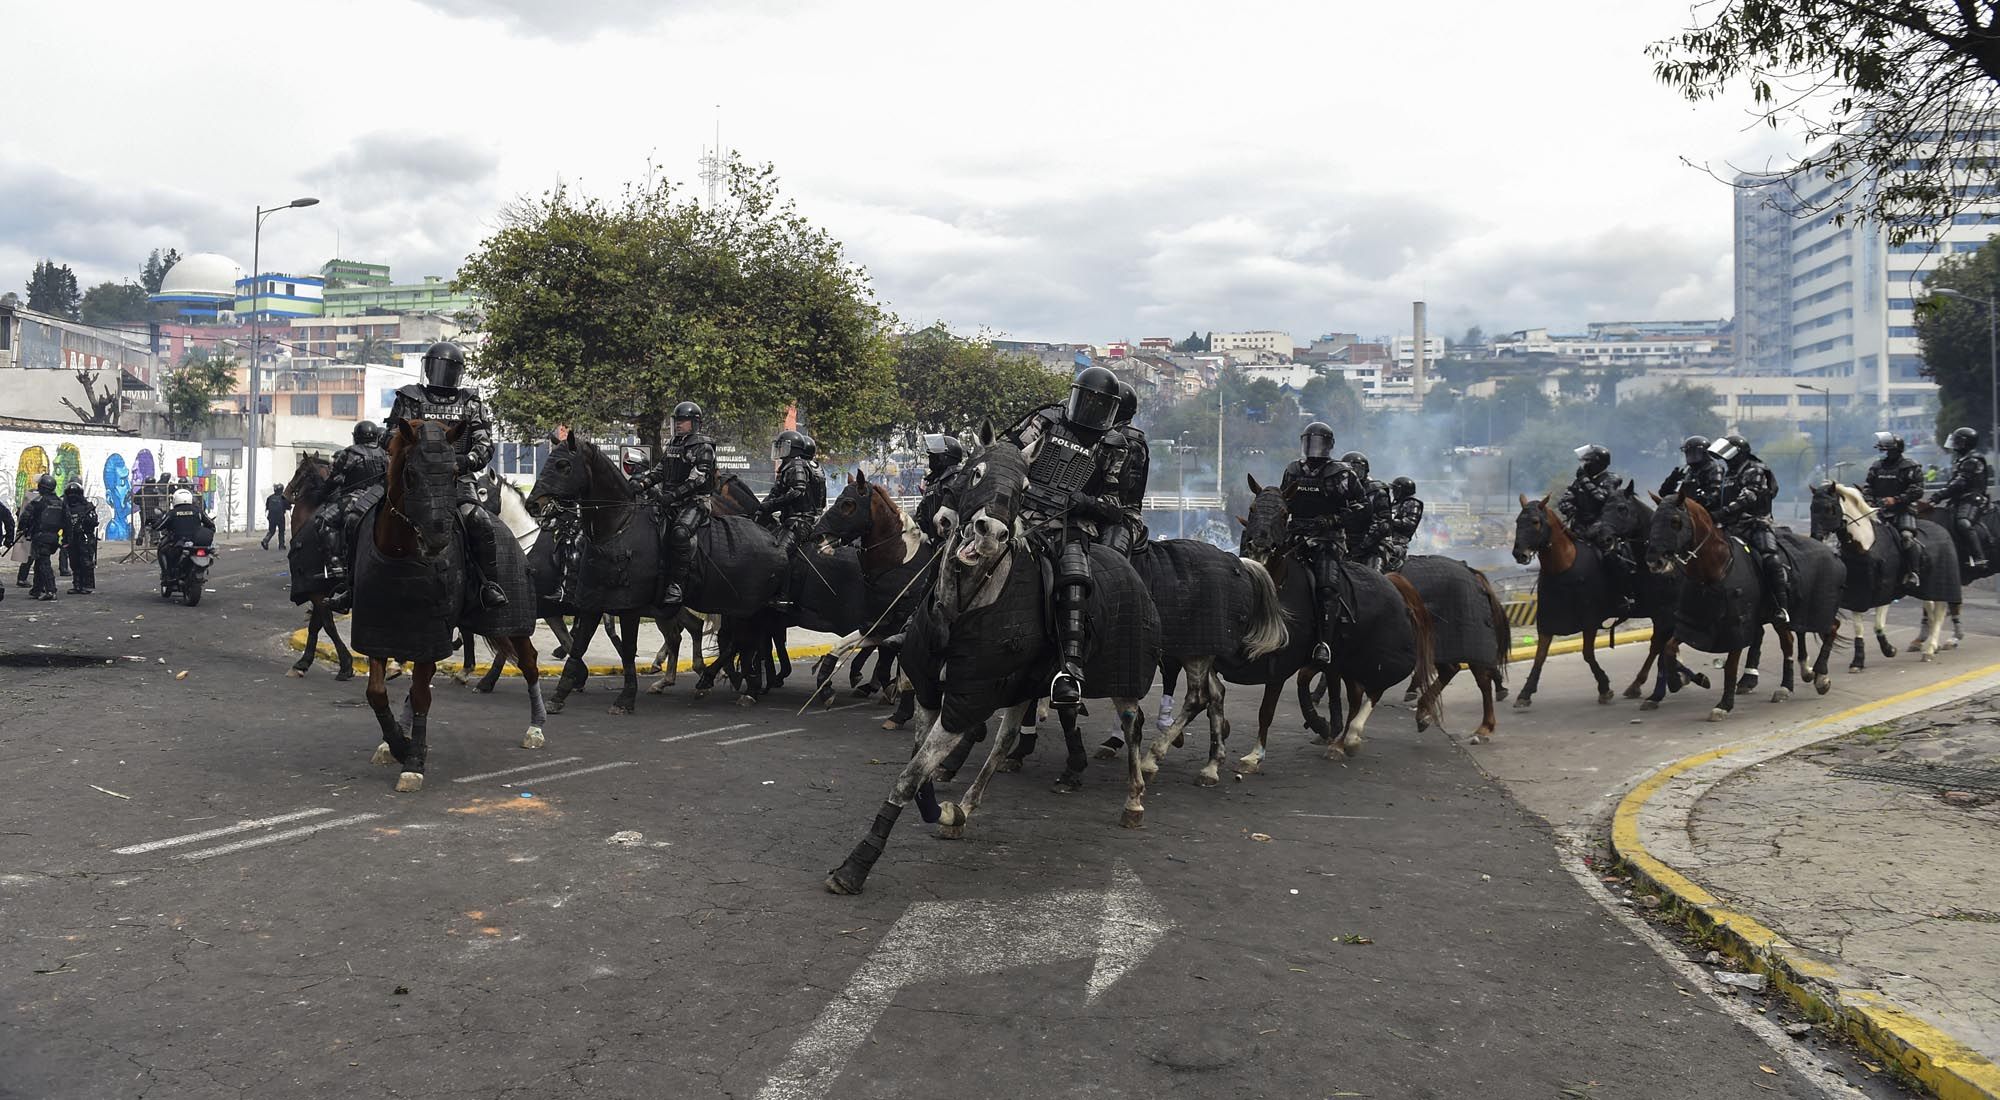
{"type": "Point", "coordinates": [1943, 777]}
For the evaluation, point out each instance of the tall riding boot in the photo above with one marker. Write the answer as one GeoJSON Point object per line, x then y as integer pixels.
{"type": "Point", "coordinates": [1072, 634]}
{"type": "Point", "coordinates": [1975, 544]}
{"type": "Point", "coordinates": [787, 542]}
{"type": "Point", "coordinates": [674, 593]}
{"type": "Point", "coordinates": [487, 550]}
{"type": "Point", "coordinates": [21, 578]}
{"type": "Point", "coordinates": [1778, 576]}
{"type": "Point", "coordinates": [1329, 617]}
{"type": "Point", "coordinates": [1906, 541]}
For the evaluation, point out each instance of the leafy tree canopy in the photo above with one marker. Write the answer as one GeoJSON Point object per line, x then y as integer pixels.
{"type": "Point", "coordinates": [116, 304]}
{"type": "Point", "coordinates": [188, 395]}
{"type": "Point", "coordinates": [948, 383]}
{"type": "Point", "coordinates": [52, 289]}
{"type": "Point", "coordinates": [1953, 335]}
{"type": "Point", "coordinates": [156, 267]}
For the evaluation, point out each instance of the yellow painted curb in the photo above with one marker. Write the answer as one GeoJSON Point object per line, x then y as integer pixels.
{"type": "Point", "coordinates": [297, 640]}
{"type": "Point", "coordinates": [1574, 644]}
{"type": "Point", "coordinates": [1944, 1065]}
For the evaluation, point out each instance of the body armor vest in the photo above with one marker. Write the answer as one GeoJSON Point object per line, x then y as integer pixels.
{"type": "Point", "coordinates": [1753, 486]}
{"type": "Point", "coordinates": [49, 515]}
{"type": "Point", "coordinates": [1405, 516]}
{"type": "Point", "coordinates": [1063, 464]}
{"type": "Point", "coordinates": [1974, 473]}
{"type": "Point", "coordinates": [1317, 493]}
{"type": "Point", "coordinates": [680, 457]}
{"type": "Point", "coordinates": [1901, 479]}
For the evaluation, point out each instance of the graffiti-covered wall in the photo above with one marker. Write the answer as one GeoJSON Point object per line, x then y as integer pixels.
{"type": "Point", "coordinates": [107, 465]}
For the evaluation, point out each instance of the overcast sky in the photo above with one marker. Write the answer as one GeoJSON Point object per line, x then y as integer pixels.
{"type": "Point", "coordinates": [1084, 170]}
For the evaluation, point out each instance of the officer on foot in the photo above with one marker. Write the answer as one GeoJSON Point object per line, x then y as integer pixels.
{"type": "Point", "coordinates": [43, 522]}
{"type": "Point", "coordinates": [80, 539]}
{"type": "Point", "coordinates": [275, 507]}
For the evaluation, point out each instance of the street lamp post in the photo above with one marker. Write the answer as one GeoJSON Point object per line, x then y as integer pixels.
{"type": "Point", "coordinates": [1826, 432]}
{"type": "Point", "coordinates": [1180, 457]}
{"type": "Point", "coordinates": [1992, 354]}
{"type": "Point", "coordinates": [256, 353]}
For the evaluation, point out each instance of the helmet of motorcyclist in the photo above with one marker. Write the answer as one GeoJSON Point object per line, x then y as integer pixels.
{"type": "Point", "coordinates": [182, 496]}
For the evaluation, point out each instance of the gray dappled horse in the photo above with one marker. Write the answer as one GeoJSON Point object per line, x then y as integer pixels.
{"type": "Point", "coordinates": [1874, 569]}
{"type": "Point", "coordinates": [986, 618]}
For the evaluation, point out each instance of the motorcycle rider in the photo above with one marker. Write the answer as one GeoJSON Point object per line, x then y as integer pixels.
{"type": "Point", "coordinates": [1894, 486]}
{"type": "Point", "coordinates": [1581, 506]}
{"type": "Point", "coordinates": [681, 483]}
{"type": "Point", "coordinates": [357, 480]}
{"type": "Point", "coordinates": [1748, 488]}
{"type": "Point", "coordinates": [1406, 516]}
{"type": "Point", "coordinates": [945, 456]}
{"type": "Point", "coordinates": [1130, 462]}
{"type": "Point", "coordinates": [185, 522]}
{"type": "Point", "coordinates": [1068, 448]}
{"type": "Point", "coordinates": [80, 539]}
{"type": "Point", "coordinates": [439, 397]}
{"type": "Point", "coordinates": [1324, 496]}
{"type": "Point", "coordinates": [1971, 478]}
{"type": "Point", "coordinates": [43, 521]}
{"type": "Point", "coordinates": [1699, 478]}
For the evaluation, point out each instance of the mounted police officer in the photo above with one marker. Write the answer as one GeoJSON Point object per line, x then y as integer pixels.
{"type": "Point", "coordinates": [1068, 450]}
{"type": "Point", "coordinates": [1129, 464]}
{"type": "Point", "coordinates": [944, 456]}
{"type": "Point", "coordinates": [1582, 506]}
{"type": "Point", "coordinates": [1699, 478]}
{"type": "Point", "coordinates": [185, 521]}
{"type": "Point", "coordinates": [440, 398]}
{"type": "Point", "coordinates": [1323, 496]}
{"type": "Point", "coordinates": [80, 539]}
{"type": "Point", "coordinates": [1966, 489]}
{"type": "Point", "coordinates": [356, 481]}
{"type": "Point", "coordinates": [43, 522]}
{"type": "Point", "coordinates": [798, 494]}
{"type": "Point", "coordinates": [1895, 484]}
{"type": "Point", "coordinates": [1748, 488]}
{"type": "Point", "coordinates": [1366, 525]}
{"type": "Point", "coordinates": [1406, 516]}
{"type": "Point", "coordinates": [681, 481]}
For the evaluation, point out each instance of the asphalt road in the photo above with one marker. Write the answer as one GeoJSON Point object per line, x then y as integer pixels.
{"type": "Point", "coordinates": [487, 938]}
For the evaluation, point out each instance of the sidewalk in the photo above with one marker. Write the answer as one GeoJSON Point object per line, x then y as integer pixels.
{"type": "Point", "coordinates": [1853, 859]}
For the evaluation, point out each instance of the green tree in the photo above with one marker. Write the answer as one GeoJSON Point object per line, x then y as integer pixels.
{"type": "Point", "coordinates": [368, 349]}
{"type": "Point", "coordinates": [948, 383]}
{"type": "Point", "coordinates": [115, 304]}
{"type": "Point", "coordinates": [1953, 335]}
{"type": "Point", "coordinates": [156, 267]}
{"type": "Point", "coordinates": [606, 314]}
{"type": "Point", "coordinates": [1654, 424]}
{"type": "Point", "coordinates": [1195, 342]}
{"type": "Point", "coordinates": [52, 289]}
{"type": "Point", "coordinates": [1891, 95]}
{"type": "Point", "coordinates": [1335, 400]}
{"type": "Point", "coordinates": [1517, 403]}
{"type": "Point", "coordinates": [188, 395]}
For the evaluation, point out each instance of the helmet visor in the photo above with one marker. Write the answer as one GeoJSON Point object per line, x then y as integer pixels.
{"type": "Point", "coordinates": [1724, 449]}
{"type": "Point", "coordinates": [934, 443]}
{"type": "Point", "coordinates": [780, 450]}
{"type": "Point", "coordinates": [1090, 409]}
{"type": "Point", "coordinates": [1317, 445]}
{"type": "Point", "coordinates": [443, 372]}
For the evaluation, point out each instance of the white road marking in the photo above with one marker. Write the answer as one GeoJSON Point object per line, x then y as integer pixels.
{"type": "Point", "coordinates": [517, 771]}
{"type": "Point", "coordinates": [288, 834]}
{"type": "Point", "coordinates": [760, 736]}
{"type": "Point", "coordinates": [565, 775]}
{"type": "Point", "coordinates": [705, 733]}
{"type": "Point", "coordinates": [1115, 927]}
{"type": "Point", "coordinates": [243, 826]}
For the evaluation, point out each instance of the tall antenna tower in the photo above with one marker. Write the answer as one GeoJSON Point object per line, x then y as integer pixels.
{"type": "Point", "coordinates": [711, 161]}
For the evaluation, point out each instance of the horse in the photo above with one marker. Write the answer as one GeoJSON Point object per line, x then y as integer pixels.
{"type": "Point", "coordinates": [520, 521]}
{"type": "Point", "coordinates": [410, 593]}
{"type": "Point", "coordinates": [1574, 594]}
{"type": "Point", "coordinates": [1722, 605]}
{"type": "Point", "coordinates": [1469, 628]}
{"type": "Point", "coordinates": [986, 619]}
{"type": "Point", "coordinates": [894, 565]}
{"type": "Point", "coordinates": [1989, 523]}
{"type": "Point", "coordinates": [1874, 568]}
{"type": "Point", "coordinates": [1388, 640]}
{"type": "Point", "coordinates": [307, 565]}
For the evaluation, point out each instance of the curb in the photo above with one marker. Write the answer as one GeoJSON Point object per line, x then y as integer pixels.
{"type": "Point", "coordinates": [297, 641]}
{"type": "Point", "coordinates": [1571, 644]}
{"type": "Point", "coordinates": [1947, 1067]}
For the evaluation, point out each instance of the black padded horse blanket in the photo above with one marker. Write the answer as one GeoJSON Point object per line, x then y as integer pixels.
{"type": "Point", "coordinates": [1462, 617]}
{"type": "Point", "coordinates": [1203, 595]}
{"type": "Point", "coordinates": [737, 567]}
{"type": "Point", "coordinates": [409, 609]}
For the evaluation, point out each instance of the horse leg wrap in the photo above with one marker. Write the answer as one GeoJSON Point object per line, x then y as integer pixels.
{"type": "Point", "coordinates": [850, 876]}
{"type": "Point", "coordinates": [927, 807]}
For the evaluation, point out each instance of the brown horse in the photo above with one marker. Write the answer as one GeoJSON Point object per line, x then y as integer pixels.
{"type": "Point", "coordinates": [306, 492]}
{"type": "Point", "coordinates": [410, 589]}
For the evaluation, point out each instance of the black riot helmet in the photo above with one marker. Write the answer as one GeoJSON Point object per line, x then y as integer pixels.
{"type": "Point", "coordinates": [1316, 442]}
{"type": "Point", "coordinates": [1358, 462]}
{"type": "Point", "coordinates": [45, 483]}
{"type": "Point", "coordinates": [808, 446]}
{"type": "Point", "coordinates": [944, 451]}
{"type": "Point", "coordinates": [1128, 403]}
{"type": "Point", "coordinates": [1731, 448]}
{"type": "Point", "coordinates": [787, 444]}
{"type": "Point", "coordinates": [74, 489]}
{"type": "Point", "coordinates": [1093, 399]}
{"type": "Point", "coordinates": [1890, 444]}
{"type": "Point", "coordinates": [689, 412]}
{"type": "Point", "coordinates": [1402, 488]}
{"type": "Point", "coordinates": [367, 433]}
{"type": "Point", "coordinates": [1962, 441]}
{"type": "Point", "coordinates": [1592, 459]}
{"type": "Point", "coordinates": [444, 365]}
{"type": "Point", "coordinates": [1695, 450]}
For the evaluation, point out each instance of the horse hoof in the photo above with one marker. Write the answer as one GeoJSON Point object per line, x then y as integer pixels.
{"type": "Point", "coordinates": [1481, 738]}
{"type": "Point", "coordinates": [617, 708]}
{"type": "Point", "coordinates": [383, 757]}
{"type": "Point", "coordinates": [1007, 764]}
{"type": "Point", "coordinates": [1067, 782]}
{"type": "Point", "coordinates": [1699, 679]}
{"type": "Point", "coordinates": [1132, 819]}
{"type": "Point", "coordinates": [1351, 745]}
{"type": "Point", "coordinates": [1500, 692]}
{"type": "Point", "coordinates": [1855, 668]}
{"type": "Point", "coordinates": [951, 832]}
{"type": "Point", "coordinates": [1633, 692]}
{"type": "Point", "coordinates": [1105, 752]}
{"type": "Point", "coordinates": [1650, 704]}
{"type": "Point", "coordinates": [839, 883]}
{"type": "Point", "coordinates": [746, 700]}
{"type": "Point", "coordinates": [659, 688]}
{"type": "Point", "coordinates": [1605, 696]}
{"type": "Point", "coordinates": [533, 739]}
{"type": "Point", "coordinates": [1249, 765]}
{"type": "Point", "coordinates": [1180, 740]}
{"type": "Point", "coordinates": [409, 782]}
{"type": "Point", "coordinates": [1822, 683]}
{"type": "Point", "coordinates": [1522, 703]}
{"type": "Point", "coordinates": [1717, 715]}
{"type": "Point", "coordinates": [653, 669]}
{"type": "Point", "coordinates": [296, 673]}
{"type": "Point", "coordinates": [1206, 779]}
{"type": "Point", "coordinates": [555, 706]}
{"type": "Point", "coordinates": [460, 679]}
{"type": "Point", "coordinates": [1422, 725]}
{"type": "Point", "coordinates": [1929, 657]}
{"type": "Point", "coordinates": [559, 652]}
{"type": "Point", "coordinates": [892, 724]}
{"type": "Point", "coordinates": [1781, 695]}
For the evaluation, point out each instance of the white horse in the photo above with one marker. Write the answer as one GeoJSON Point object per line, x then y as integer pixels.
{"type": "Point", "coordinates": [1858, 516]}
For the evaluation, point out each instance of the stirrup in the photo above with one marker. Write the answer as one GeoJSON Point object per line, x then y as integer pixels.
{"type": "Point", "coordinates": [492, 594]}
{"type": "Point", "coordinates": [1782, 614]}
{"type": "Point", "coordinates": [1911, 580]}
{"type": "Point", "coordinates": [1066, 690]}
{"type": "Point", "coordinates": [1322, 654]}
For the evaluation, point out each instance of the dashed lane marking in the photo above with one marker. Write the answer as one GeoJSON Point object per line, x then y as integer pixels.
{"type": "Point", "coordinates": [533, 779]}
{"type": "Point", "coordinates": [288, 834]}
{"type": "Point", "coordinates": [761, 736]}
{"type": "Point", "coordinates": [517, 771]}
{"type": "Point", "coordinates": [705, 733]}
{"type": "Point", "coordinates": [243, 826]}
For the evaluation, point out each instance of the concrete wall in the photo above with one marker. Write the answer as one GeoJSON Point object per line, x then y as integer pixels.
{"type": "Point", "coordinates": [106, 464]}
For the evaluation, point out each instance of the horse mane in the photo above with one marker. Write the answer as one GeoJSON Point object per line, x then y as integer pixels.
{"type": "Point", "coordinates": [604, 473]}
{"type": "Point", "coordinates": [1853, 507]}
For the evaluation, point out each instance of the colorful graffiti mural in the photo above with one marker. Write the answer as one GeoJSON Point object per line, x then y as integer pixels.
{"type": "Point", "coordinates": [117, 485]}
{"type": "Point", "coordinates": [106, 466]}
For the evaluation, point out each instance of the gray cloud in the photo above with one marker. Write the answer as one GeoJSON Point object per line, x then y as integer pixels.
{"type": "Point", "coordinates": [103, 230]}
{"type": "Point", "coordinates": [575, 20]}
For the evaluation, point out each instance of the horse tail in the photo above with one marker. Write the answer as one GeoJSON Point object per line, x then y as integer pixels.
{"type": "Point", "coordinates": [1425, 675]}
{"type": "Point", "coordinates": [1503, 638]}
{"type": "Point", "coordinates": [1267, 633]}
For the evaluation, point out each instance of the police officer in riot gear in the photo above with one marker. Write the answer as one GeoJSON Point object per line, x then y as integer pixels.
{"type": "Point", "coordinates": [681, 481]}
{"type": "Point", "coordinates": [798, 494]}
{"type": "Point", "coordinates": [944, 456]}
{"type": "Point", "coordinates": [43, 521]}
{"type": "Point", "coordinates": [1581, 506]}
{"type": "Point", "coordinates": [357, 480]}
{"type": "Point", "coordinates": [1894, 486]}
{"type": "Point", "coordinates": [6, 536]}
{"type": "Point", "coordinates": [1406, 516]}
{"type": "Point", "coordinates": [1366, 526]}
{"type": "Point", "coordinates": [1748, 488]}
{"type": "Point", "coordinates": [439, 397]}
{"type": "Point", "coordinates": [1965, 490]}
{"type": "Point", "coordinates": [1129, 464]}
{"type": "Point", "coordinates": [185, 521]}
{"type": "Point", "coordinates": [1067, 452]}
{"type": "Point", "coordinates": [1699, 478]}
{"type": "Point", "coordinates": [275, 507]}
{"type": "Point", "coordinates": [80, 539]}
{"type": "Point", "coordinates": [1324, 496]}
